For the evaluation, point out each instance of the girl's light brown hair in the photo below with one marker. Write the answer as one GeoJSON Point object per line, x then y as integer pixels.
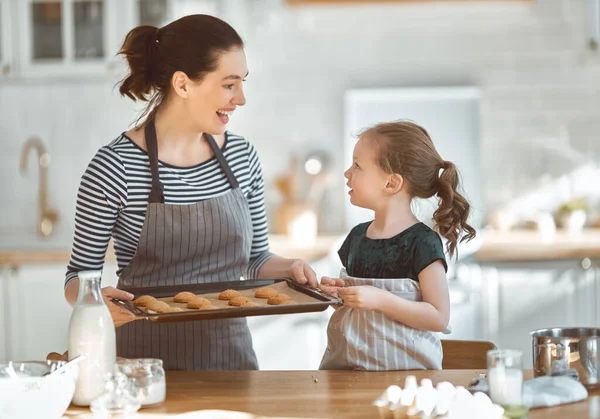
{"type": "Point", "coordinates": [406, 149]}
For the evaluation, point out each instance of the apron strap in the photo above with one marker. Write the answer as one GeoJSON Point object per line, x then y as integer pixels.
{"type": "Point", "coordinates": [157, 192]}
{"type": "Point", "coordinates": [224, 165]}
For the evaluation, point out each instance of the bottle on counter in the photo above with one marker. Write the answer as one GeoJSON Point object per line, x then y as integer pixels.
{"type": "Point", "coordinates": [91, 333]}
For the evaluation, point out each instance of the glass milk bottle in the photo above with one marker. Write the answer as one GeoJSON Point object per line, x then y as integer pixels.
{"type": "Point", "coordinates": [91, 333]}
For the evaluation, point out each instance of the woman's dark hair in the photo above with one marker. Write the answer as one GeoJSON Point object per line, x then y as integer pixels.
{"type": "Point", "coordinates": [406, 149]}
{"type": "Point", "coordinates": [192, 44]}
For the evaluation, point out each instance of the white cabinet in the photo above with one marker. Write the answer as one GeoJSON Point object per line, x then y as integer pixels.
{"type": "Point", "coordinates": [6, 57]}
{"type": "Point", "coordinates": [36, 314]}
{"type": "Point", "coordinates": [81, 38]}
{"type": "Point", "coordinates": [70, 38]}
{"type": "Point", "coordinates": [290, 341]}
{"type": "Point", "coordinates": [527, 296]}
{"type": "Point", "coordinates": [66, 37]}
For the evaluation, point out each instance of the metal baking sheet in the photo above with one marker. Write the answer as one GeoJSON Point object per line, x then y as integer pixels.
{"type": "Point", "coordinates": [304, 299]}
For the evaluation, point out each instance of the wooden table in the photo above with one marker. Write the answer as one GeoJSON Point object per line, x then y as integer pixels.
{"type": "Point", "coordinates": [310, 394]}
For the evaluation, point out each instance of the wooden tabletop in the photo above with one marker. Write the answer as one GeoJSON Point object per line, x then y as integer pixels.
{"type": "Point", "coordinates": [309, 394]}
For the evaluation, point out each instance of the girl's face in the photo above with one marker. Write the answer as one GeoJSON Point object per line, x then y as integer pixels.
{"type": "Point", "coordinates": [212, 100]}
{"type": "Point", "coordinates": [366, 180]}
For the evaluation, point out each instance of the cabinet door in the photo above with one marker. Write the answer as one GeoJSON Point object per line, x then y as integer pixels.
{"type": "Point", "coordinates": [5, 273]}
{"type": "Point", "coordinates": [60, 37]}
{"type": "Point", "coordinates": [545, 295]}
{"type": "Point", "coordinates": [38, 315]}
{"type": "Point", "coordinates": [5, 38]}
{"type": "Point", "coordinates": [290, 341]}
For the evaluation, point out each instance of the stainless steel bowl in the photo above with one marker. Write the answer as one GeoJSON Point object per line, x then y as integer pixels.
{"type": "Point", "coordinates": [559, 351]}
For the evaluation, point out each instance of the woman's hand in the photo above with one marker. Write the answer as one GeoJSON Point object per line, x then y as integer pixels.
{"type": "Point", "coordinates": [120, 316]}
{"type": "Point", "coordinates": [331, 285]}
{"type": "Point", "coordinates": [363, 297]}
{"type": "Point", "coordinates": [302, 273]}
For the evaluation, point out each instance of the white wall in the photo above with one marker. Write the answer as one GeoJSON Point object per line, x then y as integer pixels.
{"type": "Point", "coordinates": [528, 59]}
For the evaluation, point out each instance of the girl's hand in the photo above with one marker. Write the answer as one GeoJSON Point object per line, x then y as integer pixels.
{"type": "Point", "coordinates": [302, 273]}
{"type": "Point", "coordinates": [331, 285]}
{"type": "Point", "coordinates": [363, 297]}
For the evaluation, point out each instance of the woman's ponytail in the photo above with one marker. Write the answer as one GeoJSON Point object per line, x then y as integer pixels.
{"type": "Point", "coordinates": [140, 48]}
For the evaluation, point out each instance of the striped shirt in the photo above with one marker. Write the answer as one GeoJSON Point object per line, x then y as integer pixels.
{"type": "Point", "coordinates": [113, 196]}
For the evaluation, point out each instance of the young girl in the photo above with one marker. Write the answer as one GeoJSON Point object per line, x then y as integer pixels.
{"type": "Point", "coordinates": [394, 278]}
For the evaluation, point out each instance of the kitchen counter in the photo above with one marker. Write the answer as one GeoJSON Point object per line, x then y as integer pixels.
{"type": "Point", "coordinates": [309, 394]}
{"type": "Point", "coordinates": [529, 245]}
{"type": "Point", "coordinates": [518, 245]}
{"type": "Point", "coordinates": [280, 245]}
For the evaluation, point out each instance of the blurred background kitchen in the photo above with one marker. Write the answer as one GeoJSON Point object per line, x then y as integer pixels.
{"type": "Point", "coordinates": [509, 90]}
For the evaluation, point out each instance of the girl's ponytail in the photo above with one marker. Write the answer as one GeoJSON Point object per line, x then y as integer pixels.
{"type": "Point", "coordinates": [451, 216]}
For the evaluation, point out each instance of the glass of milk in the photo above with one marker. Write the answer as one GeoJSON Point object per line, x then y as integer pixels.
{"type": "Point", "coordinates": [505, 376]}
{"type": "Point", "coordinates": [91, 333]}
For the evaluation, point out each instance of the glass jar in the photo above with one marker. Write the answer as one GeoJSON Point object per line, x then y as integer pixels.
{"type": "Point", "coordinates": [148, 379]}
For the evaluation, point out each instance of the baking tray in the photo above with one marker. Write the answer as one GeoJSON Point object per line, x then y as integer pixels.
{"type": "Point", "coordinates": [305, 299]}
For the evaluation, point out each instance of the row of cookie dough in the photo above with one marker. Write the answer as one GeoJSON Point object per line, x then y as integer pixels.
{"type": "Point", "coordinates": [196, 302]}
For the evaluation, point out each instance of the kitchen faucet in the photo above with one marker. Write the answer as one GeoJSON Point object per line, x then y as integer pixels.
{"type": "Point", "coordinates": [47, 216]}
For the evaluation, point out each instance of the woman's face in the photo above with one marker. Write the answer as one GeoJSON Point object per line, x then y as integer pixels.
{"type": "Point", "coordinates": [212, 100]}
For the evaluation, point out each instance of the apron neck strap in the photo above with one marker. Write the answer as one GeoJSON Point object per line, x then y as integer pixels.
{"type": "Point", "coordinates": [157, 192]}
{"type": "Point", "coordinates": [224, 165]}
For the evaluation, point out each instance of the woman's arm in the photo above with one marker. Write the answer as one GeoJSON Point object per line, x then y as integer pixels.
{"type": "Point", "coordinates": [433, 313]}
{"type": "Point", "coordinates": [296, 269]}
{"type": "Point", "coordinates": [102, 192]}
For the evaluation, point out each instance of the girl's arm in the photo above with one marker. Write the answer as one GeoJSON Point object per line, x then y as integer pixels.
{"type": "Point", "coordinates": [433, 313]}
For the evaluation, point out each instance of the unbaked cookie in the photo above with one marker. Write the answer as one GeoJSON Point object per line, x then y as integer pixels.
{"type": "Point", "coordinates": [265, 292]}
{"type": "Point", "coordinates": [175, 309]}
{"type": "Point", "coordinates": [280, 299]}
{"type": "Point", "coordinates": [198, 302]}
{"type": "Point", "coordinates": [237, 301]}
{"type": "Point", "coordinates": [143, 300]}
{"type": "Point", "coordinates": [184, 297]}
{"type": "Point", "coordinates": [158, 306]}
{"type": "Point", "coordinates": [228, 294]}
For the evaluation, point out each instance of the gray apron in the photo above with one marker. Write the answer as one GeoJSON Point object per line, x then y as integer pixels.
{"type": "Point", "coordinates": [205, 242]}
{"type": "Point", "coordinates": [370, 340]}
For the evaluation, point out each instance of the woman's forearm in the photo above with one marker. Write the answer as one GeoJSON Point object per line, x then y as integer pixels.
{"type": "Point", "coordinates": [416, 314]}
{"type": "Point", "coordinates": [71, 291]}
{"type": "Point", "coordinates": [276, 267]}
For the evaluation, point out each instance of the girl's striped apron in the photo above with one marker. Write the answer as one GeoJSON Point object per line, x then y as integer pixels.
{"type": "Point", "coordinates": [371, 341]}
{"type": "Point", "coordinates": [208, 241]}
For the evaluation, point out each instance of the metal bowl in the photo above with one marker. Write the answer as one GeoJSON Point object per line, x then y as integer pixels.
{"type": "Point", "coordinates": [30, 390]}
{"type": "Point", "coordinates": [566, 351]}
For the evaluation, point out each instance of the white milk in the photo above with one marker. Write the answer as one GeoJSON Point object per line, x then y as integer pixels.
{"type": "Point", "coordinates": [506, 385]}
{"type": "Point", "coordinates": [92, 333]}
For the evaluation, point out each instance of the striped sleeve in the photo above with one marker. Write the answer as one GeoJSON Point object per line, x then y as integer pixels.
{"type": "Point", "coordinates": [102, 193]}
{"type": "Point", "coordinates": [256, 201]}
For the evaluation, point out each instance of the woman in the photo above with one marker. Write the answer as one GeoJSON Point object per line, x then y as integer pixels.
{"type": "Point", "coordinates": [182, 198]}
